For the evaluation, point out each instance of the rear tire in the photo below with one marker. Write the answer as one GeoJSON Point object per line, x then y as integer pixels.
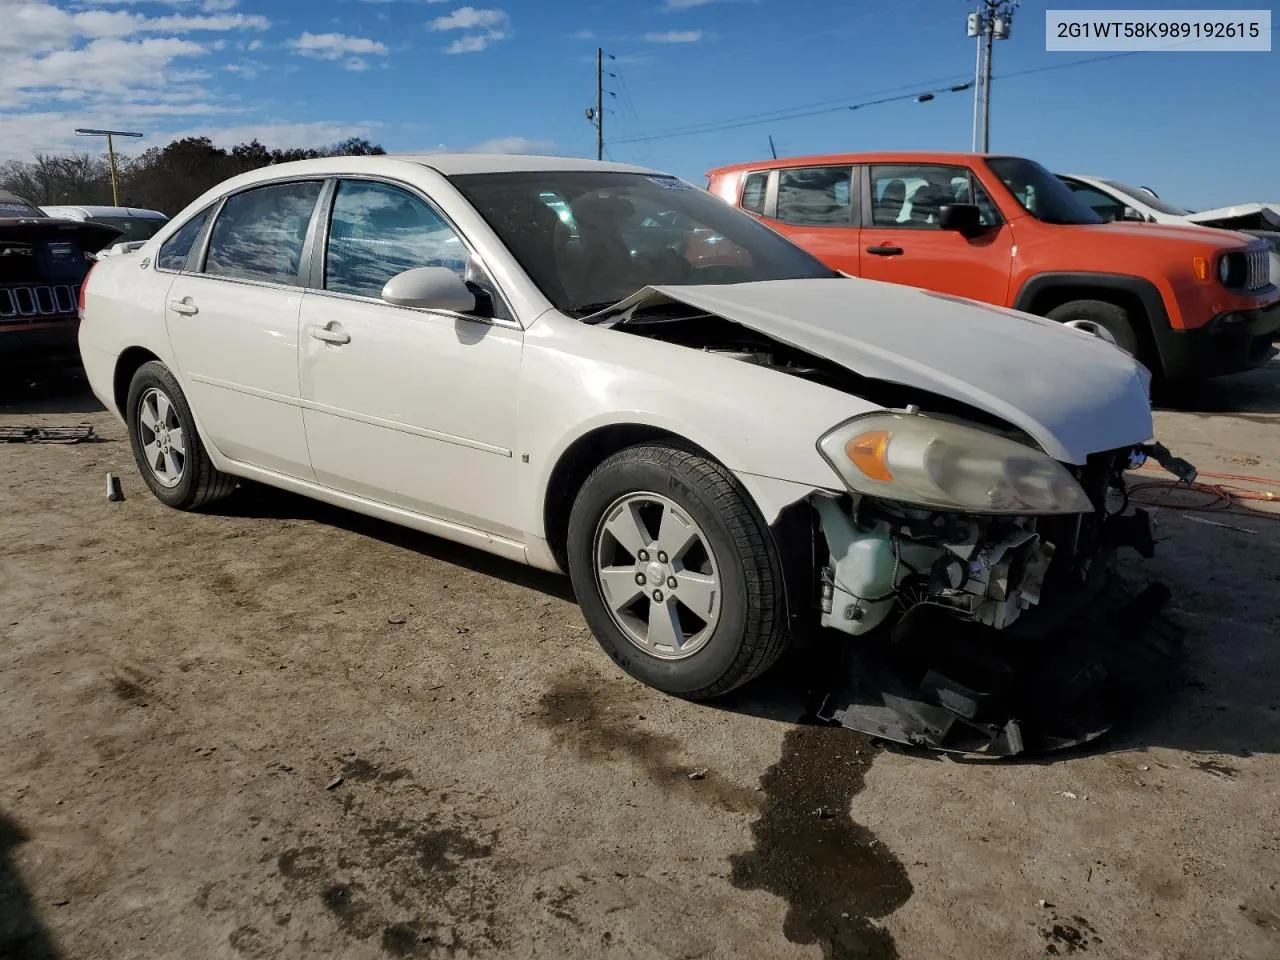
{"type": "Point", "coordinates": [1112, 319]}
{"type": "Point", "coordinates": [710, 613]}
{"type": "Point", "coordinates": [166, 446]}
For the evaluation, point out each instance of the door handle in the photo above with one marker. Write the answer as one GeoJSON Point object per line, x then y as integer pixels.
{"type": "Point", "coordinates": [184, 307]}
{"type": "Point", "coordinates": [883, 251]}
{"type": "Point", "coordinates": [338, 336]}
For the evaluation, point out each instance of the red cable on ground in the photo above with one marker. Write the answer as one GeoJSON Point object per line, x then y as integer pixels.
{"type": "Point", "coordinates": [1222, 497]}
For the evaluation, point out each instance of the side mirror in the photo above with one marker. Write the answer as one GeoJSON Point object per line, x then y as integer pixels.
{"type": "Point", "coordinates": [1132, 215]}
{"type": "Point", "coordinates": [430, 288]}
{"type": "Point", "coordinates": [964, 218]}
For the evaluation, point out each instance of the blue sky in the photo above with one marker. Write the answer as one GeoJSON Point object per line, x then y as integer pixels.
{"type": "Point", "coordinates": [516, 75]}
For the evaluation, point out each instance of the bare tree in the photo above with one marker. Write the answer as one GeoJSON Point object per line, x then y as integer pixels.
{"type": "Point", "coordinates": [163, 178]}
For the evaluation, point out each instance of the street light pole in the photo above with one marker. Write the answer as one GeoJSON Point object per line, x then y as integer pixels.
{"type": "Point", "coordinates": [111, 153]}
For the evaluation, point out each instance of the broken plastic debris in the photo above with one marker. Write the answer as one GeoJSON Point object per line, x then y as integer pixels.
{"type": "Point", "coordinates": [1068, 794]}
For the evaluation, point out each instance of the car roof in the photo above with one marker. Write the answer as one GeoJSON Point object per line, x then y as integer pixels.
{"type": "Point", "coordinates": [448, 164]}
{"type": "Point", "coordinates": [833, 159]}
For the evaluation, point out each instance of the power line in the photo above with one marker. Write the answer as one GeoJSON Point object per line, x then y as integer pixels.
{"type": "Point", "coordinates": [921, 95]}
{"type": "Point", "coordinates": [803, 111]}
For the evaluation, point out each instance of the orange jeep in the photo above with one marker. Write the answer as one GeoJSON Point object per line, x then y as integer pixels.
{"type": "Point", "coordinates": [1188, 302]}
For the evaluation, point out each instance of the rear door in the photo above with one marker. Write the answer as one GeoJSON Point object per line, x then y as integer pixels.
{"type": "Point", "coordinates": [233, 322]}
{"type": "Point", "coordinates": [814, 207]}
{"type": "Point", "coordinates": [902, 242]}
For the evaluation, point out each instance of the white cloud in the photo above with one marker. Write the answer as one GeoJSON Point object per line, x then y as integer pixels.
{"type": "Point", "coordinates": [511, 145]}
{"type": "Point", "coordinates": [674, 36]}
{"type": "Point", "coordinates": [254, 45]}
{"type": "Point", "coordinates": [108, 66]}
{"type": "Point", "coordinates": [505, 145]}
{"type": "Point", "coordinates": [335, 46]}
{"type": "Point", "coordinates": [491, 25]}
{"type": "Point", "coordinates": [356, 65]}
{"type": "Point", "coordinates": [38, 27]}
{"type": "Point", "coordinates": [583, 35]}
{"type": "Point", "coordinates": [469, 18]}
{"type": "Point", "coordinates": [208, 6]}
{"type": "Point", "coordinates": [475, 42]}
{"type": "Point", "coordinates": [686, 4]}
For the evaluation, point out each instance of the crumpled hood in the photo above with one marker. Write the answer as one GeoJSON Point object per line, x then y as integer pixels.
{"type": "Point", "coordinates": [1071, 392]}
{"type": "Point", "coordinates": [1261, 216]}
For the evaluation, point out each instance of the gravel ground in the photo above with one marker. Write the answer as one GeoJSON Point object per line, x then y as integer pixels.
{"type": "Point", "coordinates": [282, 730]}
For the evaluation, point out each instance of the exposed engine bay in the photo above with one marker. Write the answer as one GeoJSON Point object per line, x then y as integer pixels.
{"type": "Point", "coordinates": [989, 634]}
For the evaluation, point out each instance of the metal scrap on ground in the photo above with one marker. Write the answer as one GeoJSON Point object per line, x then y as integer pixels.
{"type": "Point", "coordinates": [77, 434]}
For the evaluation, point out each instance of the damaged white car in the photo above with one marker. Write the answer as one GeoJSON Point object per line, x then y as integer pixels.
{"type": "Point", "coordinates": [603, 370]}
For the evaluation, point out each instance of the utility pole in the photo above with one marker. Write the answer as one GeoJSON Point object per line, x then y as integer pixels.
{"type": "Point", "coordinates": [599, 103]}
{"type": "Point", "coordinates": [111, 153]}
{"type": "Point", "coordinates": [990, 22]}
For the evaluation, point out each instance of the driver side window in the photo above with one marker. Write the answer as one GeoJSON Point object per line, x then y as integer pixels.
{"type": "Point", "coordinates": [377, 231]}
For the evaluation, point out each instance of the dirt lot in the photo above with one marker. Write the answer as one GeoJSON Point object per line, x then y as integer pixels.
{"type": "Point", "coordinates": [281, 730]}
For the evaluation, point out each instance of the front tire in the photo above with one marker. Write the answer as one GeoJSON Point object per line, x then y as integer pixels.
{"type": "Point", "coordinates": [162, 432]}
{"type": "Point", "coordinates": [1100, 318]}
{"type": "Point", "coordinates": [676, 573]}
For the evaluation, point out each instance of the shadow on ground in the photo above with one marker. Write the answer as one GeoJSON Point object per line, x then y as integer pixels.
{"type": "Point", "coordinates": [1253, 396]}
{"type": "Point", "coordinates": [21, 932]}
{"type": "Point", "coordinates": [65, 392]}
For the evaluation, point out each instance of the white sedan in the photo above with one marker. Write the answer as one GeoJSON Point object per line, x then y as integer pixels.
{"type": "Point", "coordinates": [604, 370]}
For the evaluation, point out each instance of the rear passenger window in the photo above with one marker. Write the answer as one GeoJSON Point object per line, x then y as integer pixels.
{"type": "Point", "coordinates": [378, 231]}
{"type": "Point", "coordinates": [754, 188]}
{"type": "Point", "coordinates": [173, 252]}
{"type": "Point", "coordinates": [815, 196]}
{"type": "Point", "coordinates": [259, 233]}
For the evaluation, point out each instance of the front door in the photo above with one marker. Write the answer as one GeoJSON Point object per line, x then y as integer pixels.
{"type": "Point", "coordinates": [233, 325]}
{"type": "Point", "coordinates": [902, 242]}
{"type": "Point", "coordinates": [411, 408]}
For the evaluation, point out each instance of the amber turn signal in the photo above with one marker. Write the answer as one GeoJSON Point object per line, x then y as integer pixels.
{"type": "Point", "coordinates": [867, 451]}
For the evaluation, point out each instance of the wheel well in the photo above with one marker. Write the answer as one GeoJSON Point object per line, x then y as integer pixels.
{"type": "Point", "coordinates": [126, 366]}
{"type": "Point", "coordinates": [575, 465]}
{"type": "Point", "coordinates": [1055, 296]}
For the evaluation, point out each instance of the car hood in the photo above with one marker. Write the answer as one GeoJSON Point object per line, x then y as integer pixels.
{"type": "Point", "coordinates": [1257, 216]}
{"type": "Point", "coordinates": [1073, 393]}
{"type": "Point", "coordinates": [1188, 233]}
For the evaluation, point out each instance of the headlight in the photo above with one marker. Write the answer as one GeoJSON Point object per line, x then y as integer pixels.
{"type": "Point", "coordinates": [1233, 269]}
{"type": "Point", "coordinates": [934, 463]}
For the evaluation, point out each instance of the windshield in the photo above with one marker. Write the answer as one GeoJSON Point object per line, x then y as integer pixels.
{"type": "Point", "coordinates": [133, 228]}
{"type": "Point", "coordinates": [591, 238]}
{"type": "Point", "coordinates": [1041, 194]}
{"type": "Point", "coordinates": [1150, 199]}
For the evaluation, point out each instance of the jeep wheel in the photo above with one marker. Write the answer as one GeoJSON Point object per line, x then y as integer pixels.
{"type": "Point", "coordinates": [1102, 319]}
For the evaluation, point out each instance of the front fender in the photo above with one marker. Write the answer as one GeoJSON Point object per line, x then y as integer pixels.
{"type": "Point", "coordinates": [760, 423]}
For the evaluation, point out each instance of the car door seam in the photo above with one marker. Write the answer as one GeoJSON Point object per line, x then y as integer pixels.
{"type": "Point", "coordinates": [349, 415]}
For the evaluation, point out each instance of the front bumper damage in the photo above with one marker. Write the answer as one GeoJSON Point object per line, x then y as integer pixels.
{"type": "Point", "coordinates": [991, 635]}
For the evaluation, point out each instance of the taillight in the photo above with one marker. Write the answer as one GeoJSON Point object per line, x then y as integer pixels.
{"type": "Point", "coordinates": [84, 285]}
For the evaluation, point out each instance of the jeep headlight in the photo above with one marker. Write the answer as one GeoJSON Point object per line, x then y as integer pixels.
{"type": "Point", "coordinates": [935, 463]}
